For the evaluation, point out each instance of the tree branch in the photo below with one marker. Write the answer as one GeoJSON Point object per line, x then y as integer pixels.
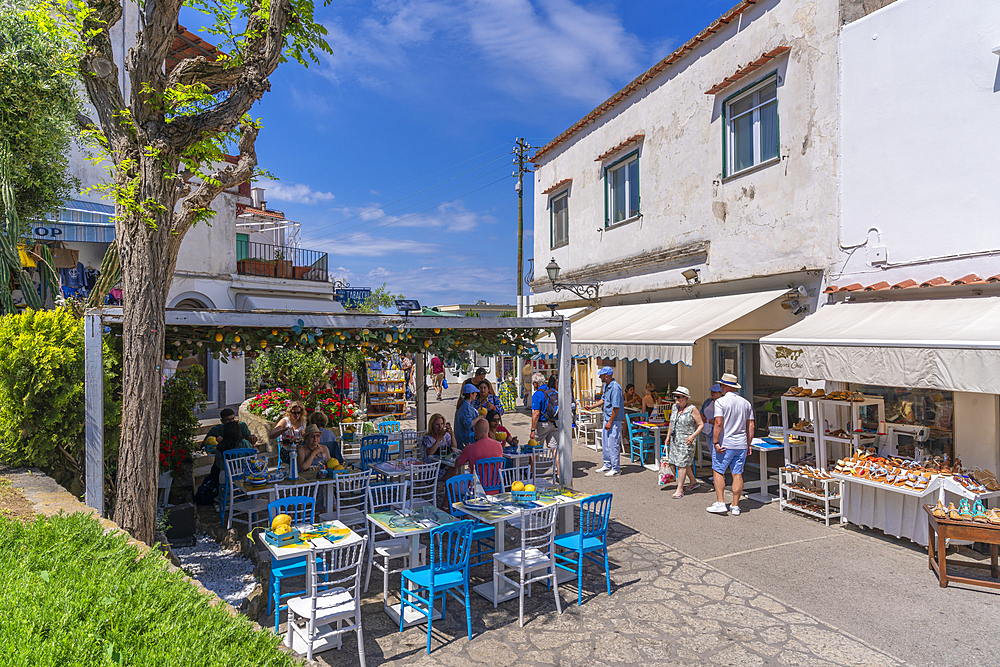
{"type": "Point", "coordinates": [100, 73]}
{"type": "Point", "coordinates": [223, 179]}
{"type": "Point", "coordinates": [213, 73]}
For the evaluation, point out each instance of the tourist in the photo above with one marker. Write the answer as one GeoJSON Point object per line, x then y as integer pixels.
{"type": "Point", "coordinates": [465, 414]}
{"type": "Point", "coordinates": [651, 401]}
{"type": "Point", "coordinates": [632, 400]}
{"type": "Point", "coordinates": [437, 372]}
{"type": "Point", "coordinates": [483, 447]}
{"type": "Point", "coordinates": [613, 404]}
{"type": "Point", "coordinates": [496, 428]}
{"type": "Point", "coordinates": [543, 430]}
{"type": "Point", "coordinates": [439, 439]}
{"type": "Point", "coordinates": [327, 437]}
{"type": "Point", "coordinates": [708, 410]}
{"type": "Point", "coordinates": [406, 364]}
{"type": "Point", "coordinates": [731, 437]}
{"type": "Point", "coordinates": [312, 452]}
{"type": "Point", "coordinates": [478, 376]}
{"type": "Point", "coordinates": [232, 438]}
{"type": "Point", "coordinates": [685, 426]}
{"type": "Point", "coordinates": [226, 416]}
{"type": "Point", "coordinates": [294, 421]}
{"type": "Point", "coordinates": [488, 398]}
{"type": "Point", "coordinates": [341, 383]}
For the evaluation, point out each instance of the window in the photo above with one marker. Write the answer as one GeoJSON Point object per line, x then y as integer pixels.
{"type": "Point", "coordinates": [621, 183]}
{"type": "Point", "coordinates": [752, 126]}
{"type": "Point", "coordinates": [559, 213]}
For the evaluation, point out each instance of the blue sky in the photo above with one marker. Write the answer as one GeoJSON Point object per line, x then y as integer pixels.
{"type": "Point", "coordinates": [394, 152]}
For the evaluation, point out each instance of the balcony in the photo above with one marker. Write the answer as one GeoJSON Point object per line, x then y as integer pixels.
{"type": "Point", "coordinates": [272, 261]}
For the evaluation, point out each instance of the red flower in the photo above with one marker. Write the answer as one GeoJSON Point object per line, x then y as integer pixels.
{"type": "Point", "coordinates": [162, 457]}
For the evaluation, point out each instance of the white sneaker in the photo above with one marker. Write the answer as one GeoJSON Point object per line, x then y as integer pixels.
{"type": "Point", "coordinates": [718, 508]}
{"type": "Point", "coordinates": [612, 473]}
{"type": "Point", "coordinates": [603, 469]}
{"type": "Point", "coordinates": [734, 510]}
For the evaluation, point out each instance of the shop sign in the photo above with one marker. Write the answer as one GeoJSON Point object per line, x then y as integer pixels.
{"type": "Point", "coordinates": [788, 358]}
{"type": "Point", "coordinates": [47, 232]}
{"type": "Point", "coordinates": [595, 351]}
{"type": "Point", "coordinates": [353, 296]}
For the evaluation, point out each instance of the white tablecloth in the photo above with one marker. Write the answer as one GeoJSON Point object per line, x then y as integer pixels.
{"type": "Point", "coordinates": [890, 511]}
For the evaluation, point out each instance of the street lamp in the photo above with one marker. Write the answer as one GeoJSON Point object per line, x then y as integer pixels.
{"type": "Point", "coordinates": [587, 291]}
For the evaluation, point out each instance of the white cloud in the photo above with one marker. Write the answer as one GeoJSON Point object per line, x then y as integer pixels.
{"type": "Point", "coordinates": [367, 245]}
{"type": "Point", "coordinates": [296, 193]}
{"type": "Point", "coordinates": [581, 52]}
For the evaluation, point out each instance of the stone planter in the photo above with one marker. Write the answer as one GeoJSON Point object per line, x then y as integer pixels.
{"type": "Point", "coordinates": [259, 427]}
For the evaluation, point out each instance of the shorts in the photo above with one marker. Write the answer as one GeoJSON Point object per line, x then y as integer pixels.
{"type": "Point", "coordinates": [729, 458]}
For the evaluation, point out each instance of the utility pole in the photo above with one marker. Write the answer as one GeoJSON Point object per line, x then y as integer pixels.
{"type": "Point", "coordinates": [520, 151]}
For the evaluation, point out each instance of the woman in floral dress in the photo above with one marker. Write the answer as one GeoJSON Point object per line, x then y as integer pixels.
{"type": "Point", "coordinates": [686, 425]}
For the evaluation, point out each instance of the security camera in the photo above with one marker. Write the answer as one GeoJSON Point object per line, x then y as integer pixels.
{"type": "Point", "coordinates": [798, 310]}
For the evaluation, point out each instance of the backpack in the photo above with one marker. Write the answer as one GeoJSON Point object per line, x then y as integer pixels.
{"type": "Point", "coordinates": [551, 410]}
{"type": "Point", "coordinates": [207, 492]}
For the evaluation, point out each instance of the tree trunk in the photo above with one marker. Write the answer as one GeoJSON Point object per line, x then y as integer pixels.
{"type": "Point", "coordinates": [147, 260]}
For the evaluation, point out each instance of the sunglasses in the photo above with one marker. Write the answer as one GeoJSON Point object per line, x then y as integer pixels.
{"type": "Point", "coordinates": [296, 412]}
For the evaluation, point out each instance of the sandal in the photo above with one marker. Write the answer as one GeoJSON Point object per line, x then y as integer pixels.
{"type": "Point", "coordinates": [681, 495]}
{"type": "Point", "coordinates": [691, 487]}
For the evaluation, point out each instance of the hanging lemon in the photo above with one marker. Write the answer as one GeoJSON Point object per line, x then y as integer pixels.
{"type": "Point", "coordinates": [218, 338]}
{"type": "Point", "coordinates": [388, 338]}
{"type": "Point", "coordinates": [427, 343]}
{"type": "Point", "coordinates": [236, 338]}
{"type": "Point", "coordinates": [437, 331]}
{"type": "Point", "coordinates": [274, 332]}
{"type": "Point", "coordinates": [331, 347]}
{"type": "Point", "coordinates": [263, 343]}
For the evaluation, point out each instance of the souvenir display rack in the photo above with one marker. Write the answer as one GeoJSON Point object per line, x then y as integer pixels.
{"type": "Point", "coordinates": [386, 393]}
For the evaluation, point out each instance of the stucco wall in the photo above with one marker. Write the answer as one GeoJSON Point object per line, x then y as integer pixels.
{"type": "Point", "coordinates": [919, 108]}
{"type": "Point", "coordinates": [210, 247]}
{"type": "Point", "coordinates": [777, 219]}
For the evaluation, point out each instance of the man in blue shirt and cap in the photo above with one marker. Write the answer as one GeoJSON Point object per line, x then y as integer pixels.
{"type": "Point", "coordinates": [613, 402]}
{"type": "Point", "coordinates": [466, 415]}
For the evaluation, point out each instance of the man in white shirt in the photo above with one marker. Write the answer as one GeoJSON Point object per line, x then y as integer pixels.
{"type": "Point", "coordinates": [731, 438]}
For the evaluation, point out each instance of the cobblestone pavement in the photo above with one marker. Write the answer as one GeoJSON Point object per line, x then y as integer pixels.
{"type": "Point", "coordinates": [665, 609]}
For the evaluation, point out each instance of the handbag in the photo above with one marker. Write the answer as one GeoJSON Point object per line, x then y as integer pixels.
{"type": "Point", "coordinates": [63, 257]}
{"type": "Point", "coordinates": [666, 474]}
{"type": "Point", "coordinates": [445, 383]}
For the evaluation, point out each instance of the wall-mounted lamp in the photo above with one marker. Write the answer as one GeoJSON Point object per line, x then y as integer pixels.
{"type": "Point", "coordinates": [588, 291]}
{"type": "Point", "coordinates": [692, 276]}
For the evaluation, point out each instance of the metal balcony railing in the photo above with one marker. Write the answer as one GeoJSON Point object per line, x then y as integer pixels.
{"type": "Point", "coordinates": [264, 259]}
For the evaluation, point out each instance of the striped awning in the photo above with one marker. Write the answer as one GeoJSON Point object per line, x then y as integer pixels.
{"type": "Point", "coordinates": [79, 220]}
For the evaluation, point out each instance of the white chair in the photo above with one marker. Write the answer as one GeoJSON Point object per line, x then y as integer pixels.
{"type": "Point", "coordinates": [511, 475]}
{"type": "Point", "coordinates": [423, 484]}
{"type": "Point", "coordinates": [586, 423]}
{"type": "Point", "coordinates": [537, 553]}
{"type": "Point", "coordinates": [333, 579]}
{"type": "Point", "coordinates": [352, 499]}
{"type": "Point", "coordinates": [410, 442]}
{"type": "Point", "coordinates": [248, 504]}
{"type": "Point", "coordinates": [304, 489]}
{"type": "Point", "coordinates": [382, 498]}
{"type": "Point", "coordinates": [544, 465]}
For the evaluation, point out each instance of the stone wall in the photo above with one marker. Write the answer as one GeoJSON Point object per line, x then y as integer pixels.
{"type": "Point", "coordinates": [259, 427]}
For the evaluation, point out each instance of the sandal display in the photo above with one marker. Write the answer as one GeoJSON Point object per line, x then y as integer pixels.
{"type": "Point", "coordinates": [939, 511]}
{"type": "Point", "coordinates": [979, 512]}
{"type": "Point", "coordinates": [965, 510]}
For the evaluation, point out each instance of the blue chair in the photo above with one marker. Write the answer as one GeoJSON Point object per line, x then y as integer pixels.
{"type": "Point", "coordinates": [233, 469]}
{"type": "Point", "coordinates": [490, 475]}
{"type": "Point", "coordinates": [639, 441]}
{"type": "Point", "coordinates": [302, 510]}
{"type": "Point", "coordinates": [451, 546]}
{"type": "Point", "coordinates": [374, 449]}
{"type": "Point", "coordinates": [392, 430]}
{"type": "Point", "coordinates": [591, 537]}
{"type": "Point", "coordinates": [460, 487]}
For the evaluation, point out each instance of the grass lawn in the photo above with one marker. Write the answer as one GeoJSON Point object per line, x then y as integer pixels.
{"type": "Point", "coordinates": [72, 595]}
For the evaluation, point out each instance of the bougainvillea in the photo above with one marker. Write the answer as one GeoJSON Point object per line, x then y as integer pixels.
{"type": "Point", "coordinates": [271, 405]}
{"type": "Point", "coordinates": [173, 457]}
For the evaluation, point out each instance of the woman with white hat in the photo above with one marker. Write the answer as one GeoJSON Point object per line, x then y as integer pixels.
{"type": "Point", "coordinates": [686, 425]}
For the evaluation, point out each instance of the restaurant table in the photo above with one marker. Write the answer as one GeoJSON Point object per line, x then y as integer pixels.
{"type": "Point", "coordinates": [397, 468]}
{"type": "Point", "coordinates": [654, 428]}
{"type": "Point", "coordinates": [945, 529]}
{"type": "Point", "coordinates": [305, 477]}
{"type": "Point", "coordinates": [763, 448]}
{"type": "Point", "coordinates": [411, 525]}
{"type": "Point", "coordinates": [503, 510]}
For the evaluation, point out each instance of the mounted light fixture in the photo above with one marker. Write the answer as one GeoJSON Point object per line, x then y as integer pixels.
{"type": "Point", "coordinates": [692, 276]}
{"type": "Point", "coordinates": [587, 291]}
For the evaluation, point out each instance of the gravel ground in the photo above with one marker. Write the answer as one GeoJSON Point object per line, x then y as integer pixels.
{"type": "Point", "coordinates": [226, 573]}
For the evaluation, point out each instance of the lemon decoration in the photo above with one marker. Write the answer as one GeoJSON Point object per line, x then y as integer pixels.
{"type": "Point", "coordinates": [280, 520]}
{"type": "Point", "coordinates": [437, 331]}
{"type": "Point", "coordinates": [517, 486]}
{"type": "Point", "coordinates": [482, 411]}
{"type": "Point", "coordinates": [331, 347]}
{"type": "Point", "coordinates": [236, 338]}
{"type": "Point", "coordinates": [211, 440]}
{"type": "Point", "coordinates": [218, 338]}
{"type": "Point", "coordinates": [532, 443]}
{"type": "Point", "coordinates": [530, 488]}
{"type": "Point", "coordinates": [263, 343]}
{"type": "Point", "coordinates": [283, 529]}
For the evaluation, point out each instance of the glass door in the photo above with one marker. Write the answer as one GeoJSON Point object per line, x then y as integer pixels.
{"type": "Point", "coordinates": [730, 357]}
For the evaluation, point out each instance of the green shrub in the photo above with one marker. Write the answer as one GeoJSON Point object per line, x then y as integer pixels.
{"type": "Point", "coordinates": [42, 391]}
{"type": "Point", "coordinates": [182, 395]}
{"type": "Point", "coordinates": [72, 595]}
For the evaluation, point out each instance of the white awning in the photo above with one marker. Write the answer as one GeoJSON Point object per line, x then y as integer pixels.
{"type": "Point", "coordinates": [248, 302]}
{"type": "Point", "coordinates": [664, 332]}
{"type": "Point", "coordinates": [951, 344]}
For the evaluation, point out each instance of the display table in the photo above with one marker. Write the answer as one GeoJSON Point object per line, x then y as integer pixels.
{"type": "Point", "coordinates": [946, 529]}
{"type": "Point", "coordinates": [762, 496]}
{"type": "Point", "coordinates": [892, 509]}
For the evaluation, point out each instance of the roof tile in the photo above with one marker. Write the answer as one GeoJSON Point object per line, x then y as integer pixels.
{"type": "Point", "coordinates": [905, 284]}
{"type": "Point", "coordinates": [934, 282]}
{"type": "Point", "coordinates": [877, 286]}
{"type": "Point", "coordinates": [853, 287]}
{"type": "Point", "coordinates": [970, 279]}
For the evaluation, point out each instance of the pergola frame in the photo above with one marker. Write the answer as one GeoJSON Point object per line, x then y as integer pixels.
{"type": "Point", "coordinates": [96, 319]}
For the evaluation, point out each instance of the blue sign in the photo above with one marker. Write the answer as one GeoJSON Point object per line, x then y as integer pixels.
{"type": "Point", "coordinates": [353, 296]}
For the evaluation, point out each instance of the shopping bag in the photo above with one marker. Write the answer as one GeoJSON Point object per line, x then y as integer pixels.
{"type": "Point", "coordinates": [445, 383]}
{"type": "Point", "coordinates": [666, 474]}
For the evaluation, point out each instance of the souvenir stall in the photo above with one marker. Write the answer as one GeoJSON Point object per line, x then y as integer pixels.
{"type": "Point", "coordinates": [907, 417]}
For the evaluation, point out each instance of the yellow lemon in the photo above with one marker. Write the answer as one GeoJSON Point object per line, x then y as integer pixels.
{"type": "Point", "coordinates": [532, 443]}
{"type": "Point", "coordinates": [280, 520]}
{"type": "Point", "coordinates": [282, 529]}
{"type": "Point", "coordinates": [517, 486]}
{"type": "Point", "coordinates": [501, 436]}
{"type": "Point", "coordinates": [437, 331]}
{"type": "Point", "coordinates": [348, 420]}
{"type": "Point", "coordinates": [236, 338]}
{"type": "Point", "coordinates": [482, 411]}
{"type": "Point", "coordinates": [274, 332]}
{"type": "Point", "coordinates": [211, 440]}
{"type": "Point", "coordinates": [218, 338]}
{"type": "Point", "coordinates": [529, 488]}
{"type": "Point", "coordinates": [332, 464]}
{"type": "Point", "coordinates": [331, 347]}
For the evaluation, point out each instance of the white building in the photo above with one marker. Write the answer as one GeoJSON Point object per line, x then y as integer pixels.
{"type": "Point", "coordinates": [245, 258]}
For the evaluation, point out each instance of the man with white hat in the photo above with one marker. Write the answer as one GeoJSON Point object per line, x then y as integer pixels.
{"type": "Point", "coordinates": [613, 402]}
{"type": "Point", "coordinates": [731, 438]}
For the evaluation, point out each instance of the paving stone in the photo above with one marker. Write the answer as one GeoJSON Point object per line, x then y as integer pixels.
{"type": "Point", "coordinates": [736, 656]}
{"type": "Point", "coordinates": [768, 604]}
{"type": "Point", "coordinates": [614, 649]}
{"type": "Point", "coordinates": [714, 592]}
{"type": "Point", "coordinates": [491, 652]}
{"type": "Point", "coordinates": [774, 635]}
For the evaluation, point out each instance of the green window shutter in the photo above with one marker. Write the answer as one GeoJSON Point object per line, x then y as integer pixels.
{"type": "Point", "coordinates": [242, 246]}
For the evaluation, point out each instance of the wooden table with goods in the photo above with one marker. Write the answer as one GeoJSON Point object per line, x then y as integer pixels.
{"type": "Point", "coordinates": [945, 529]}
